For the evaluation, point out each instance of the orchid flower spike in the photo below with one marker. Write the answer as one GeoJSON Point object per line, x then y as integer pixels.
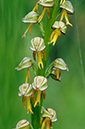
{"type": "Point", "coordinates": [38, 46]}
{"type": "Point", "coordinates": [25, 63]}
{"type": "Point", "coordinates": [58, 65]}
{"type": "Point", "coordinates": [59, 27]}
{"type": "Point", "coordinates": [49, 116]}
{"type": "Point", "coordinates": [39, 85]}
{"type": "Point", "coordinates": [46, 4]}
{"type": "Point", "coordinates": [26, 91]}
{"type": "Point", "coordinates": [67, 9]}
{"type": "Point", "coordinates": [23, 124]}
{"type": "Point", "coordinates": [31, 17]}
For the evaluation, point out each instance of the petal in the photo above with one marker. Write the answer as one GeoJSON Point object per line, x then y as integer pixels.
{"type": "Point", "coordinates": [29, 75]}
{"type": "Point", "coordinates": [44, 55]}
{"type": "Point", "coordinates": [44, 94]}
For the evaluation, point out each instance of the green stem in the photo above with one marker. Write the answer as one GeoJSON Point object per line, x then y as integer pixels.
{"type": "Point", "coordinates": [37, 115]}
{"type": "Point", "coordinates": [37, 110]}
{"type": "Point", "coordinates": [48, 30]}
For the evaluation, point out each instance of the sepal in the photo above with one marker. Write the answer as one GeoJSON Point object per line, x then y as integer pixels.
{"type": "Point", "coordinates": [40, 83]}
{"type": "Point", "coordinates": [60, 64]}
{"type": "Point", "coordinates": [37, 44]}
{"type": "Point", "coordinates": [50, 113]}
{"type": "Point", "coordinates": [31, 17]}
{"type": "Point", "coordinates": [68, 7]}
{"type": "Point", "coordinates": [60, 25]}
{"type": "Point", "coordinates": [25, 63]}
{"type": "Point", "coordinates": [46, 3]}
{"type": "Point", "coordinates": [23, 124]}
{"type": "Point", "coordinates": [25, 89]}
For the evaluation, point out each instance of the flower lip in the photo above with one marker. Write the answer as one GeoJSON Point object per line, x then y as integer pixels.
{"type": "Point", "coordinates": [46, 3]}
{"type": "Point", "coordinates": [68, 7]}
{"type": "Point", "coordinates": [31, 17]}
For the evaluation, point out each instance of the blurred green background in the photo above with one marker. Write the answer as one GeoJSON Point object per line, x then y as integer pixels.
{"type": "Point", "coordinates": [67, 97]}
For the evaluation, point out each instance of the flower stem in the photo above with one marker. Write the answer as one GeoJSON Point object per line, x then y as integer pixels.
{"type": "Point", "coordinates": [37, 114]}
{"type": "Point", "coordinates": [37, 110]}
{"type": "Point", "coordinates": [48, 30]}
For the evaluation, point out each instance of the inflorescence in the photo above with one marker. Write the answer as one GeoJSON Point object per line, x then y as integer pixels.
{"type": "Point", "coordinates": [32, 93]}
